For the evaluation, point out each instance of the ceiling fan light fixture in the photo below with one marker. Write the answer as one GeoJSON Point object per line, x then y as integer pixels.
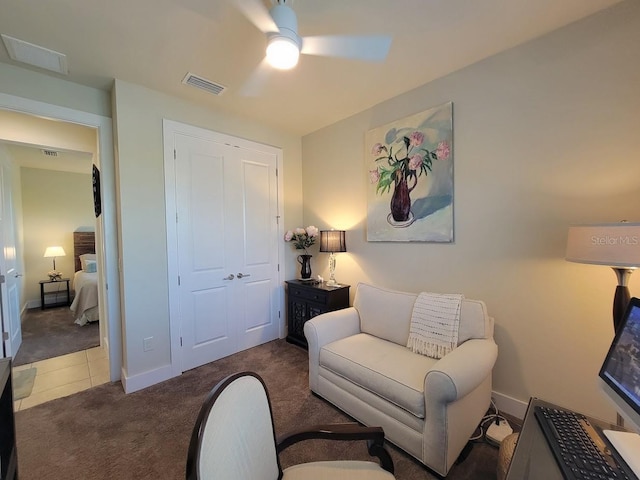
{"type": "Point", "coordinates": [282, 52]}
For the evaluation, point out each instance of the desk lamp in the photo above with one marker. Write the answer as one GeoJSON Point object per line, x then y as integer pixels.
{"type": "Point", "coordinates": [332, 241]}
{"type": "Point", "coordinates": [54, 252]}
{"type": "Point", "coordinates": [616, 245]}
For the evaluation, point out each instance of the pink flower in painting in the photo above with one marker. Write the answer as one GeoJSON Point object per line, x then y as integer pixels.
{"type": "Point", "coordinates": [407, 156]}
{"type": "Point", "coordinates": [416, 139]}
{"type": "Point", "coordinates": [442, 152]}
{"type": "Point", "coordinates": [378, 148]}
{"type": "Point", "coordinates": [288, 236]}
{"type": "Point", "coordinates": [415, 162]}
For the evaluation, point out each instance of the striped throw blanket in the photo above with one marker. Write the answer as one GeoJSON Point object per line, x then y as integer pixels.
{"type": "Point", "coordinates": [434, 324]}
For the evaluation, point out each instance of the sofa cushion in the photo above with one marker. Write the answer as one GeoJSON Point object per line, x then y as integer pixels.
{"type": "Point", "coordinates": [384, 313]}
{"type": "Point", "coordinates": [394, 373]}
{"type": "Point", "coordinates": [474, 321]}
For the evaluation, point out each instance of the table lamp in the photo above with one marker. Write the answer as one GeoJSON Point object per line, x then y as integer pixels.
{"type": "Point", "coordinates": [54, 252]}
{"type": "Point", "coordinates": [332, 241]}
{"type": "Point", "coordinates": [616, 245]}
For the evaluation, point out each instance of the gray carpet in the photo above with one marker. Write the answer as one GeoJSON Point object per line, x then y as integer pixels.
{"type": "Point", "coordinates": [51, 332]}
{"type": "Point", "coordinates": [104, 434]}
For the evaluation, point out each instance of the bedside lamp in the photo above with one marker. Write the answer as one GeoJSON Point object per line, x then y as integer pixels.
{"type": "Point", "coordinates": [54, 252]}
{"type": "Point", "coordinates": [332, 241]}
{"type": "Point", "coordinates": [616, 245]}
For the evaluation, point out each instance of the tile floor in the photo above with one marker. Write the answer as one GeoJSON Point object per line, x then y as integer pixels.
{"type": "Point", "coordinates": [61, 376]}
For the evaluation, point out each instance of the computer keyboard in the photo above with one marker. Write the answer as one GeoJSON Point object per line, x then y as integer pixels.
{"type": "Point", "coordinates": [577, 447]}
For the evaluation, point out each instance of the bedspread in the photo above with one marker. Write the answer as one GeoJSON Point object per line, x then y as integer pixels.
{"type": "Point", "coordinates": [86, 297]}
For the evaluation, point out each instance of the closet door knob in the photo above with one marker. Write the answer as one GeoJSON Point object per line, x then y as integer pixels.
{"type": "Point", "coordinates": [241, 275]}
{"type": "Point", "coordinates": [230, 277]}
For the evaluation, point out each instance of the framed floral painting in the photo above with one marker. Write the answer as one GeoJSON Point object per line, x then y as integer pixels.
{"type": "Point", "coordinates": [409, 166]}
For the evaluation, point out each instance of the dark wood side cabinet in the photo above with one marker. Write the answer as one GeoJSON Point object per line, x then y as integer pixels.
{"type": "Point", "coordinates": [45, 293]}
{"type": "Point", "coordinates": [305, 301]}
{"type": "Point", "coordinates": [8, 455]}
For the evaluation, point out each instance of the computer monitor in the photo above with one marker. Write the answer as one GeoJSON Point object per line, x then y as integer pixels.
{"type": "Point", "coordinates": [620, 382]}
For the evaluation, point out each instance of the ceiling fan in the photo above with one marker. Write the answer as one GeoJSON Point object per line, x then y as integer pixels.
{"type": "Point", "coordinates": [284, 45]}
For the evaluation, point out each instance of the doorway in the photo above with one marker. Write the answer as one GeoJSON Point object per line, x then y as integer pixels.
{"type": "Point", "coordinates": [106, 234]}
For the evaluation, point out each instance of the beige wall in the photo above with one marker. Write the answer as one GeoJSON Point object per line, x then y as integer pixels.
{"type": "Point", "coordinates": [545, 135]}
{"type": "Point", "coordinates": [54, 205]}
{"type": "Point", "coordinates": [138, 115]}
{"type": "Point", "coordinates": [56, 91]}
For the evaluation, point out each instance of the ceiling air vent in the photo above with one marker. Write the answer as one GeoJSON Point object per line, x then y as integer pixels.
{"type": "Point", "coordinates": [203, 83]}
{"type": "Point", "coordinates": [35, 55]}
{"type": "Point", "coordinates": [49, 153]}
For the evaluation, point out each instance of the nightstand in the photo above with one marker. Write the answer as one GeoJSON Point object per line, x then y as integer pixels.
{"type": "Point", "coordinates": [44, 293]}
{"type": "Point", "coordinates": [306, 300]}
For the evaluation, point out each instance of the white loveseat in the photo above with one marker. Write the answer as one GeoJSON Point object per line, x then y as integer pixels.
{"type": "Point", "coordinates": [358, 360]}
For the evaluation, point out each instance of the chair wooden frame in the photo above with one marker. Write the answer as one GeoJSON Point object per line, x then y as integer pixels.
{"type": "Point", "coordinates": [374, 436]}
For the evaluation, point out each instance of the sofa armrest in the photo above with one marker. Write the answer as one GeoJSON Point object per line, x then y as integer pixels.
{"type": "Point", "coordinates": [461, 371]}
{"type": "Point", "coordinates": [324, 329]}
{"type": "Point", "coordinates": [332, 326]}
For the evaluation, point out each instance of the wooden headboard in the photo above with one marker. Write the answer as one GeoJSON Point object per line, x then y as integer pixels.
{"type": "Point", "coordinates": [83, 242]}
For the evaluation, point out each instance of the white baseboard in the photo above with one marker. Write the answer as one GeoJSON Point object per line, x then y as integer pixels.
{"type": "Point", "coordinates": [33, 304]}
{"type": "Point", "coordinates": [143, 380]}
{"type": "Point", "coordinates": [509, 405]}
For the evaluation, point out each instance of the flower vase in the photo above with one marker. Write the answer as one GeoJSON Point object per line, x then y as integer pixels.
{"type": "Point", "coordinates": [401, 201]}
{"type": "Point", "coordinates": [305, 270]}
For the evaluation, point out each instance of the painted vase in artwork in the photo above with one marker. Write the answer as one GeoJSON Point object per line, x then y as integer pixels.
{"type": "Point", "coordinates": [401, 200]}
{"type": "Point", "coordinates": [305, 269]}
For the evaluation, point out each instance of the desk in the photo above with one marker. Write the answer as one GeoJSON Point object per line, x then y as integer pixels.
{"type": "Point", "coordinates": [532, 457]}
{"type": "Point", "coordinates": [8, 455]}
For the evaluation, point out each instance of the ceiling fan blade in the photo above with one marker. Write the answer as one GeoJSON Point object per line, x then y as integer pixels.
{"type": "Point", "coordinates": [370, 48]}
{"type": "Point", "coordinates": [257, 13]}
{"type": "Point", "coordinates": [258, 78]}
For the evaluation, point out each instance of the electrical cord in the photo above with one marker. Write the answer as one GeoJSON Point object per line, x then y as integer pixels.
{"type": "Point", "coordinates": [486, 420]}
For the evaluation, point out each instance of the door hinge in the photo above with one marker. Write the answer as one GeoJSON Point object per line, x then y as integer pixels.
{"type": "Point", "coordinates": [178, 280]}
{"type": "Point", "coordinates": [180, 341]}
{"type": "Point", "coordinates": [276, 172]}
{"type": "Point", "coordinates": [174, 153]}
{"type": "Point", "coordinates": [2, 279]}
{"type": "Point", "coordinates": [279, 314]}
{"type": "Point", "coordinates": [5, 336]}
{"type": "Point", "coordinates": [278, 267]}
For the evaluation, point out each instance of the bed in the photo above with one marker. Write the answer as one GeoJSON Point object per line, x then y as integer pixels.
{"type": "Point", "coordinates": [85, 281]}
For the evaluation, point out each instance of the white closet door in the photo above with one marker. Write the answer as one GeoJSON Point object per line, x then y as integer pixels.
{"type": "Point", "coordinates": [226, 200]}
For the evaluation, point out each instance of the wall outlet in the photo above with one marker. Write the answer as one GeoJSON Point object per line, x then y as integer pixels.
{"type": "Point", "coordinates": [147, 344]}
{"type": "Point", "coordinates": [498, 431]}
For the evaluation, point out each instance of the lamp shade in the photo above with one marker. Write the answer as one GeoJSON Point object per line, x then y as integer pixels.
{"type": "Point", "coordinates": [610, 244]}
{"type": "Point", "coordinates": [54, 252]}
{"type": "Point", "coordinates": [333, 241]}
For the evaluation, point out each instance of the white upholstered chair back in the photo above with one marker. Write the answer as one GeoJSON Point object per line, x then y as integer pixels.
{"type": "Point", "coordinates": [234, 437]}
{"type": "Point", "coordinates": [387, 313]}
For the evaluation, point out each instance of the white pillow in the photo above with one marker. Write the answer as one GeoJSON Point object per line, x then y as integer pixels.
{"type": "Point", "coordinates": [84, 258]}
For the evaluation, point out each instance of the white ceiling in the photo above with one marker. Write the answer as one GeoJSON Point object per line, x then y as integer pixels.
{"type": "Point", "coordinates": [154, 43]}
{"type": "Point", "coordinates": [64, 161]}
